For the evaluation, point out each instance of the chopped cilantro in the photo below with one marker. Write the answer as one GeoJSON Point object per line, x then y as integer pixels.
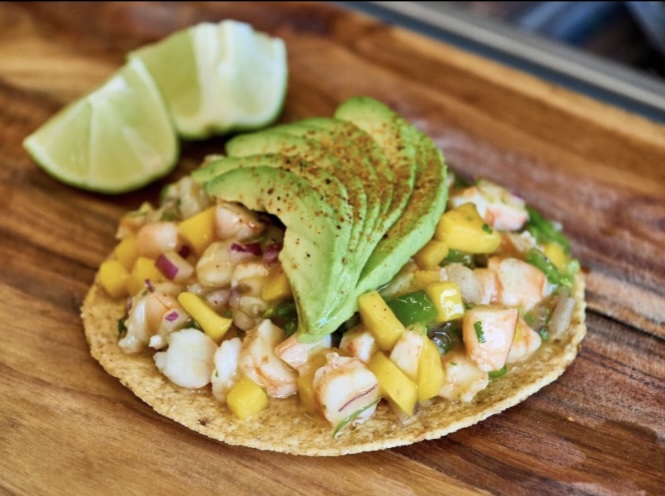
{"type": "Point", "coordinates": [352, 417]}
{"type": "Point", "coordinates": [122, 328]}
{"type": "Point", "coordinates": [495, 374]}
{"type": "Point", "coordinates": [480, 334]}
{"type": "Point", "coordinates": [487, 229]}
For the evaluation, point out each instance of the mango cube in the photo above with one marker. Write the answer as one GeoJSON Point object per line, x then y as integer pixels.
{"type": "Point", "coordinates": [379, 319]}
{"type": "Point", "coordinates": [422, 278]}
{"type": "Point", "coordinates": [213, 324]}
{"type": "Point", "coordinates": [144, 269]}
{"type": "Point", "coordinates": [127, 252]}
{"type": "Point", "coordinates": [463, 229]}
{"type": "Point", "coordinates": [430, 371]}
{"type": "Point", "coordinates": [199, 230]}
{"type": "Point", "coordinates": [432, 254]}
{"type": "Point", "coordinates": [401, 390]}
{"type": "Point", "coordinates": [557, 256]}
{"type": "Point", "coordinates": [277, 285]}
{"type": "Point", "coordinates": [113, 277]}
{"type": "Point", "coordinates": [246, 398]}
{"type": "Point", "coordinates": [447, 299]}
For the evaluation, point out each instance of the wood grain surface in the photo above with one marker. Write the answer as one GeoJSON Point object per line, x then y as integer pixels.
{"type": "Point", "coordinates": [66, 427]}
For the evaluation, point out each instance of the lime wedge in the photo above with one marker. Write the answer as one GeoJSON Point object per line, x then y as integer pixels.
{"type": "Point", "coordinates": [218, 78]}
{"type": "Point", "coordinates": [116, 139]}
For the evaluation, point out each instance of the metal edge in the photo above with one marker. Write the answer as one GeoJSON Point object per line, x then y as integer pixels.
{"type": "Point", "coordinates": [590, 75]}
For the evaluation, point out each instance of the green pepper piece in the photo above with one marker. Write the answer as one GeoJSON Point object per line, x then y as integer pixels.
{"type": "Point", "coordinates": [456, 256]}
{"type": "Point", "coordinates": [413, 308]}
{"type": "Point", "coordinates": [544, 230]}
{"type": "Point", "coordinates": [538, 259]}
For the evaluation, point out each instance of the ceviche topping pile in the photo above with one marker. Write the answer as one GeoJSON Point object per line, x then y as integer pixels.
{"type": "Point", "coordinates": [208, 295]}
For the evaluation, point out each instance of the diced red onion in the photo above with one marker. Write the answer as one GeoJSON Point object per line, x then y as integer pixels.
{"type": "Point", "coordinates": [271, 253]}
{"type": "Point", "coordinates": [148, 284]}
{"type": "Point", "coordinates": [166, 266]}
{"type": "Point", "coordinates": [253, 248]}
{"type": "Point", "coordinates": [171, 316]}
{"type": "Point", "coordinates": [184, 251]}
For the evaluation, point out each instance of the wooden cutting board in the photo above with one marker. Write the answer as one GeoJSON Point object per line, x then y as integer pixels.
{"type": "Point", "coordinates": [66, 427]}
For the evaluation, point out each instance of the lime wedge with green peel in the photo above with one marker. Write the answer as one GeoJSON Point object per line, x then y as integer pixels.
{"type": "Point", "coordinates": [218, 78]}
{"type": "Point", "coordinates": [116, 139]}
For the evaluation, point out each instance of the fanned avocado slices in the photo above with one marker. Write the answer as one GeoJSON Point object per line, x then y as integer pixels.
{"type": "Point", "coordinates": [359, 194]}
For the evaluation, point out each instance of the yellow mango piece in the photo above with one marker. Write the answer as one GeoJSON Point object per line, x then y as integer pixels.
{"type": "Point", "coordinates": [463, 229]}
{"type": "Point", "coordinates": [144, 269]}
{"type": "Point", "coordinates": [555, 253]}
{"type": "Point", "coordinates": [213, 324]}
{"type": "Point", "coordinates": [126, 252]}
{"type": "Point", "coordinates": [447, 299]}
{"type": "Point", "coordinates": [199, 230]}
{"type": "Point", "coordinates": [422, 278]}
{"type": "Point", "coordinates": [305, 379]}
{"type": "Point", "coordinates": [277, 285]}
{"type": "Point", "coordinates": [246, 398]}
{"type": "Point", "coordinates": [432, 254]}
{"type": "Point", "coordinates": [113, 277]}
{"type": "Point", "coordinates": [380, 319]}
{"type": "Point", "coordinates": [430, 371]}
{"type": "Point", "coordinates": [401, 390]}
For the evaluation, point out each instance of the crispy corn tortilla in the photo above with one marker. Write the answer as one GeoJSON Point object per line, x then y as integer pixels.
{"type": "Point", "coordinates": [285, 426]}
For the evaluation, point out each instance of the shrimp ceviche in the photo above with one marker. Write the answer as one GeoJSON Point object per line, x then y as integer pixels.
{"type": "Point", "coordinates": [207, 295]}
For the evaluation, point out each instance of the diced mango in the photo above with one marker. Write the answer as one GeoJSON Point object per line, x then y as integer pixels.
{"type": "Point", "coordinates": [305, 380]}
{"type": "Point", "coordinates": [447, 299]}
{"type": "Point", "coordinates": [380, 320]}
{"type": "Point", "coordinates": [432, 254]}
{"type": "Point", "coordinates": [401, 390]}
{"type": "Point", "coordinates": [277, 285]}
{"type": "Point", "coordinates": [246, 398]}
{"type": "Point", "coordinates": [113, 277]}
{"type": "Point", "coordinates": [557, 256]}
{"type": "Point", "coordinates": [430, 371]}
{"type": "Point", "coordinates": [422, 278]}
{"type": "Point", "coordinates": [199, 230]}
{"type": "Point", "coordinates": [144, 269]}
{"type": "Point", "coordinates": [126, 252]}
{"type": "Point", "coordinates": [213, 324]}
{"type": "Point", "coordinates": [463, 229]}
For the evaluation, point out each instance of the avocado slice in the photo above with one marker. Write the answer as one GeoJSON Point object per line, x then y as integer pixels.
{"type": "Point", "coordinates": [398, 140]}
{"type": "Point", "coordinates": [314, 243]}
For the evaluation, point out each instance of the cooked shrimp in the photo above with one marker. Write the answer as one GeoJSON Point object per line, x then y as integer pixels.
{"type": "Point", "coordinates": [525, 343]}
{"type": "Point", "coordinates": [172, 321]}
{"type": "Point", "coordinates": [145, 318]}
{"type": "Point", "coordinates": [465, 278]}
{"type": "Point", "coordinates": [463, 379]}
{"type": "Point", "coordinates": [406, 353]}
{"type": "Point", "coordinates": [259, 362]}
{"type": "Point", "coordinates": [297, 353]}
{"type": "Point", "coordinates": [250, 277]}
{"type": "Point", "coordinates": [520, 284]}
{"type": "Point", "coordinates": [187, 196]}
{"type": "Point", "coordinates": [156, 238]}
{"type": "Point", "coordinates": [487, 332]}
{"type": "Point", "coordinates": [500, 208]}
{"type": "Point", "coordinates": [489, 285]}
{"type": "Point", "coordinates": [344, 386]}
{"type": "Point", "coordinates": [359, 343]}
{"type": "Point", "coordinates": [237, 222]}
{"type": "Point", "coordinates": [517, 244]}
{"type": "Point", "coordinates": [226, 372]}
{"type": "Point", "coordinates": [189, 359]}
{"type": "Point", "coordinates": [217, 263]}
